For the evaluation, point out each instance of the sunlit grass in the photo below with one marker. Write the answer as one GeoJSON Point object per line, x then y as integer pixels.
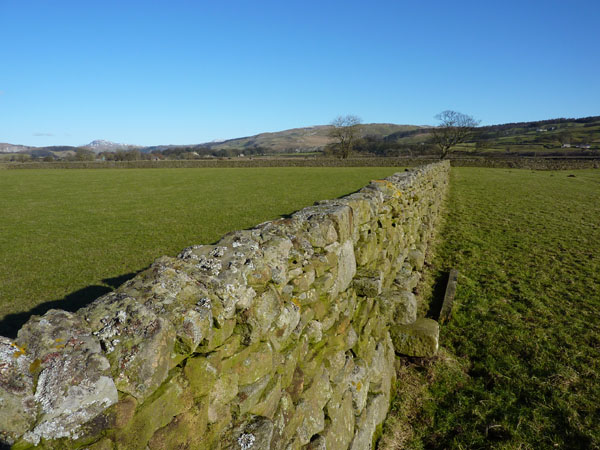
{"type": "Point", "coordinates": [64, 231]}
{"type": "Point", "coordinates": [521, 356]}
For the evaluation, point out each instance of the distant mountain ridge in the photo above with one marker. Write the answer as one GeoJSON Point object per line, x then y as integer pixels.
{"type": "Point", "coordinates": [11, 148]}
{"type": "Point", "coordinates": [100, 145]}
{"type": "Point", "coordinates": [545, 133]}
{"type": "Point", "coordinates": [302, 139]}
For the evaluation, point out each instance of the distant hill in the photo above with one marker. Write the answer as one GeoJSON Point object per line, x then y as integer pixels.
{"type": "Point", "coordinates": [11, 148]}
{"type": "Point", "coordinates": [302, 139]}
{"type": "Point", "coordinates": [553, 136]}
{"type": "Point", "coordinates": [550, 137]}
{"type": "Point", "coordinates": [100, 145]}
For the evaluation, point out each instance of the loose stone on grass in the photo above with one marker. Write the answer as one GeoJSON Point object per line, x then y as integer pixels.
{"type": "Point", "coordinates": [416, 339]}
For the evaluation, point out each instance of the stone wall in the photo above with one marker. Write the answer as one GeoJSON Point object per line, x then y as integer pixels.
{"type": "Point", "coordinates": [498, 161]}
{"type": "Point", "coordinates": [276, 337]}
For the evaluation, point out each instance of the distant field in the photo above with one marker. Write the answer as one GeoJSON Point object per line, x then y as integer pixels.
{"type": "Point", "coordinates": [68, 236]}
{"type": "Point", "coordinates": [520, 363]}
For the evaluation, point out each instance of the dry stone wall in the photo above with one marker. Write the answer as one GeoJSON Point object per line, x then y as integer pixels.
{"type": "Point", "coordinates": [277, 337]}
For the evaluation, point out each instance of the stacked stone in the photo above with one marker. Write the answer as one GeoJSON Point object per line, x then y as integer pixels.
{"type": "Point", "coordinates": [276, 337]}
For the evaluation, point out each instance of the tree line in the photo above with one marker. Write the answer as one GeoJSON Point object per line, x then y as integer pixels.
{"type": "Point", "coordinates": [454, 128]}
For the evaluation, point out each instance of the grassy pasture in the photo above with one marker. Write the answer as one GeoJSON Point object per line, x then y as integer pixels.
{"type": "Point", "coordinates": [520, 360]}
{"type": "Point", "coordinates": [68, 236]}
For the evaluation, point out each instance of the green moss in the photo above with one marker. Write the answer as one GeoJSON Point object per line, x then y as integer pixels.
{"type": "Point", "coordinates": [377, 435]}
{"type": "Point", "coordinates": [202, 374]}
{"type": "Point", "coordinates": [186, 430]}
{"type": "Point", "coordinates": [157, 411]}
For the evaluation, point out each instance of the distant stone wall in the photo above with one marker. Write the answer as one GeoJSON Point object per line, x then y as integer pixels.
{"type": "Point", "coordinates": [274, 338]}
{"type": "Point", "coordinates": [499, 161]}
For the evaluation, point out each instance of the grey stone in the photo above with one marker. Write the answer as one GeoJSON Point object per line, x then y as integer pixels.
{"type": "Point", "coordinates": [339, 432]}
{"type": "Point", "coordinates": [264, 311]}
{"type": "Point", "coordinates": [405, 307]}
{"type": "Point", "coordinates": [139, 344]}
{"type": "Point", "coordinates": [314, 331]}
{"type": "Point", "coordinates": [313, 421]}
{"type": "Point", "coordinates": [17, 406]}
{"type": "Point", "coordinates": [346, 267]}
{"type": "Point", "coordinates": [256, 434]}
{"type": "Point", "coordinates": [359, 385]}
{"type": "Point", "coordinates": [417, 339]}
{"type": "Point", "coordinates": [249, 395]}
{"type": "Point", "coordinates": [373, 415]}
{"type": "Point", "coordinates": [369, 286]}
{"type": "Point", "coordinates": [398, 307]}
{"type": "Point", "coordinates": [416, 258]}
{"type": "Point", "coordinates": [318, 443]}
{"type": "Point", "coordinates": [74, 383]}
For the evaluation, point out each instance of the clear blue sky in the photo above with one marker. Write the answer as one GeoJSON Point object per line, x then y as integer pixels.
{"type": "Point", "coordinates": [160, 72]}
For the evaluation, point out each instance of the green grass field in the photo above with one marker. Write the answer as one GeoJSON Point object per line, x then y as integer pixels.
{"type": "Point", "coordinates": [68, 236]}
{"type": "Point", "coordinates": [520, 359]}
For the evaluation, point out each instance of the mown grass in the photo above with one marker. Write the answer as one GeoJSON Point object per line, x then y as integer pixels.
{"type": "Point", "coordinates": [519, 367]}
{"type": "Point", "coordinates": [68, 236]}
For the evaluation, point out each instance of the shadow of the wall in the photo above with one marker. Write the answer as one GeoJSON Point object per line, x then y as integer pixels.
{"type": "Point", "coordinates": [10, 324]}
{"type": "Point", "coordinates": [437, 296]}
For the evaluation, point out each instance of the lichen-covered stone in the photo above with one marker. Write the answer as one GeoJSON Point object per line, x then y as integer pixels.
{"type": "Point", "coordinates": [186, 430]}
{"type": "Point", "coordinates": [138, 343]}
{"type": "Point", "coordinates": [346, 265]}
{"type": "Point", "coordinates": [285, 324]}
{"type": "Point", "coordinates": [314, 331]}
{"type": "Point", "coordinates": [254, 433]}
{"type": "Point", "coordinates": [17, 406]}
{"type": "Point", "coordinates": [317, 443]}
{"type": "Point", "coordinates": [416, 258]}
{"type": "Point", "coordinates": [201, 374]}
{"type": "Point", "coordinates": [310, 421]}
{"type": "Point", "coordinates": [218, 336]}
{"type": "Point", "coordinates": [269, 400]}
{"type": "Point", "coordinates": [73, 376]}
{"type": "Point", "coordinates": [373, 415]}
{"type": "Point", "coordinates": [369, 284]}
{"type": "Point", "coordinates": [194, 327]}
{"type": "Point", "coordinates": [250, 364]}
{"type": "Point", "coordinates": [283, 416]}
{"type": "Point", "coordinates": [265, 309]}
{"type": "Point", "coordinates": [399, 307]}
{"type": "Point", "coordinates": [289, 359]}
{"type": "Point", "coordinates": [102, 444]}
{"type": "Point", "coordinates": [276, 253]}
{"type": "Point", "coordinates": [170, 400]}
{"type": "Point", "coordinates": [339, 433]}
{"type": "Point", "coordinates": [359, 385]}
{"type": "Point", "coordinates": [249, 394]}
{"type": "Point", "coordinates": [416, 339]}
{"type": "Point", "coordinates": [408, 280]}
{"type": "Point", "coordinates": [406, 309]}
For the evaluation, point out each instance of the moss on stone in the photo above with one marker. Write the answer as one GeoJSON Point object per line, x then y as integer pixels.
{"type": "Point", "coordinates": [171, 399]}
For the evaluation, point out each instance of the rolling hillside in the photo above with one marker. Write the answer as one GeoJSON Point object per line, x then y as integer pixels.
{"type": "Point", "coordinates": [553, 137]}
{"type": "Point", "coordinates": [304, 139]}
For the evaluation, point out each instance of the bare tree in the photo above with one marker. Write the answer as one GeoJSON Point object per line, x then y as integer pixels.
{"type": "Point", "coordinates": [453, 129]}
{"type": "Point", "coordinates": [345, 130]}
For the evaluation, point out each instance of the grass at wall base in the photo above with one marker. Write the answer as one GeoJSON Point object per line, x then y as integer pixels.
{"type": "Point", "coordinates": [520, 359]}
